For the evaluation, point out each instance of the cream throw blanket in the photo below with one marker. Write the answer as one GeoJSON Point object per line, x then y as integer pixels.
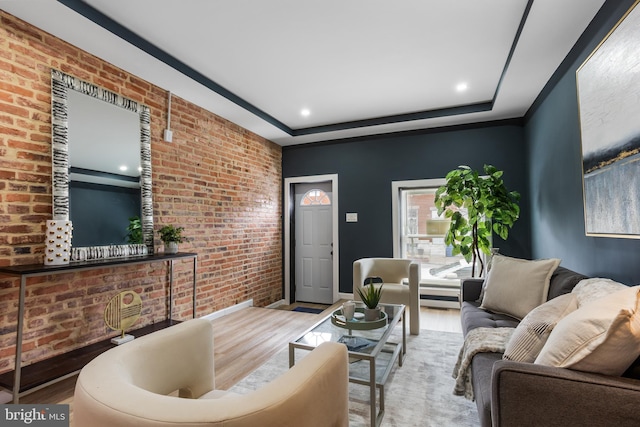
{"type": "Point", "coordinates": [479, 340]}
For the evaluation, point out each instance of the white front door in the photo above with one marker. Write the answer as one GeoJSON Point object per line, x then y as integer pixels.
{"type": "Point", "coordinates": [313, 243]}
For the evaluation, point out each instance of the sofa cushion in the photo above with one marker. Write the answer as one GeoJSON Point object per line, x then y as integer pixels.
{"type": "Point", "coordinates": [592, 289]}
{"type": "Point", "coordinates": [532, 333]}
{"type": "Point", "coordinates": [563, 281]}
{"type": "Point", "coordinates": [471, 317]}
{"type": "Point", "coordinates": [517, 286]}
{"type": "Point", "coordinates": [602, 336]}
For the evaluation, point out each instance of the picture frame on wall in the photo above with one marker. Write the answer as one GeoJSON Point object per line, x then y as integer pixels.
{"type": "Point", "coordinates": [608, 85]}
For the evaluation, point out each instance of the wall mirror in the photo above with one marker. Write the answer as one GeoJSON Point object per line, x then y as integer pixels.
{"type": "Point", "coordinates": [101, 154]}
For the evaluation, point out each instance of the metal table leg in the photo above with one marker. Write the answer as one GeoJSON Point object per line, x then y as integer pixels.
{"type": "Point", "coordinates": [18, 362]}
{"type": "Point", "coordinates": [372, 391]}
{"type": "Point", "coordinates": [195, 263]}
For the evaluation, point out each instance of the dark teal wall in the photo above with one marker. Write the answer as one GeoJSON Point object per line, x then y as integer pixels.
{"type": "Point", "coordinates": [554, 160]}
{"type": "Point", "coordinates": [367, 166]}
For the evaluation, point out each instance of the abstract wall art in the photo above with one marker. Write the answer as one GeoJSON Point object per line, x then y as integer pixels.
{"type": "Point", "coordinates": [608, 84]}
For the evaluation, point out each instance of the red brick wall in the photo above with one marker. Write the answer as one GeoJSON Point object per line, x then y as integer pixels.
{"type": "Point", "coordinates": [216, 179]}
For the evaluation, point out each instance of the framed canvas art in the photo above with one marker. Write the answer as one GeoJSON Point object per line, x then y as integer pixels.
{"type": "Point", "coordinates": [608, 84]}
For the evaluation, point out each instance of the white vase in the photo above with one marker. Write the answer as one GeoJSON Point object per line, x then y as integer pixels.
{"type": "Point", "coordinates": [171, 248]}
{"type": "Point", "coordinates": [58, 242]}
{"type": "Point", "coordinates": [371, 314]}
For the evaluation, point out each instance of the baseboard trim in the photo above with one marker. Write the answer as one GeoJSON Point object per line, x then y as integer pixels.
{"type": "Point", "coordinates": [439, 304]}
{"type": "Point", "coordinates": [348, 297]}
{"type": "Point", "coordinates": [276, 304]}
{"type": "Point", "coordinates": [228, 310]}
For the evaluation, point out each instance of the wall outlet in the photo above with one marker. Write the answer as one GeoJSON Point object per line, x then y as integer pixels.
{"type": "Point", "coordinates": [352, 217]}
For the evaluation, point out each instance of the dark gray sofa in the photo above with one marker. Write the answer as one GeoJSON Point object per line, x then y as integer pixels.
{"type": "Point", "coordinates": [523, 394]}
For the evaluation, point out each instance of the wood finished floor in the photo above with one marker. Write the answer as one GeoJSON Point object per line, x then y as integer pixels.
{"type": "Point", "coordinates": [245, 339]}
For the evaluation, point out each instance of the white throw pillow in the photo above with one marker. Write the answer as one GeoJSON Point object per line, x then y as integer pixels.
{"type": "Point", "coordinates": [534, 330]}
{"type": "Point", "coordinates": [516, 286]}
{"type": "Point", "coordinates": [588, 290]}
{"type": "Point", "coordinates": [602, 336]}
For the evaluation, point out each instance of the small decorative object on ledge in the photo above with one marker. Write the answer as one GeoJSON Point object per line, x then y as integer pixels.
{"type": "Point", "coordinates": [104, 252]}
{"type": "Point", "coordinates": [58, 242]}
{"type": "Point", "coordinates": [171, 236]}
{"type": "Point", "coordinates": [121, 312]}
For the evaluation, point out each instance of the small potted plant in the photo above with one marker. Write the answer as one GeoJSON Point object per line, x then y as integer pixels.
{"type": "Point", "coordinates": [370, 296]}
{"type": "Point", "coordinates": [134, 231]}
{"type": "Point", "coordinates": [171, 236]}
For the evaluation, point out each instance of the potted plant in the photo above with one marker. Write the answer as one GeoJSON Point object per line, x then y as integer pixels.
{"type": "Point", "coordinates": [490, 208]}
{"type": "Point", "coordinates": [134, 231]}
{"type": "Point", "coordinates": [171, 236]}
{"type": "Point", "coordinates": [370, 296]}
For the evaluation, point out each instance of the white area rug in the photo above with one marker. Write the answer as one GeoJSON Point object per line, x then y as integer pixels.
{"type": "Point", "coordinates": [420, 393]}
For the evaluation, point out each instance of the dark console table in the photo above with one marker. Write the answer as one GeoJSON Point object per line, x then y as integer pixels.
{"type": "Point", "coordinates": [40, 374]}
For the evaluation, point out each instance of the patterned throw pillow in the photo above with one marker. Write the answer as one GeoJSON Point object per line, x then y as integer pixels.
{"type": "Point", "coordinates": [532, 333]}
{"type": "Point", "coordinates": [588, 290]}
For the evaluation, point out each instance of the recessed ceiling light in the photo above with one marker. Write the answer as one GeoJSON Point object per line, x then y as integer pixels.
{"type": "Point", "coordinates": [123, 168]}
{"type": "Point", "coordinates": [461, 87]}
{"type": "Point", "coordinates": [305, 112]}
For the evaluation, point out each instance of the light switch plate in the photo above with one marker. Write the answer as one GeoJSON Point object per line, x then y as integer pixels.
{"type": "Point", "coordinates": [352, 217]}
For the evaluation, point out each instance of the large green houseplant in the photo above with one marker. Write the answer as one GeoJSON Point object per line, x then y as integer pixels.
{"type": "Point", "coordinates": [489, 205]}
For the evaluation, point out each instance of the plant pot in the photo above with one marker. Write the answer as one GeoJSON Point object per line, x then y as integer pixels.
{"type": "Point", "coordinates": [371, 314]}
{"type": "Point", "coordinates": [171, 248]}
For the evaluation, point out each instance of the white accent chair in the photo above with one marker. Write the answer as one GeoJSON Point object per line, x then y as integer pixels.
{"type": "Point", "coordinates": [167, 378]}
{"type": "Point", "coordinates": [392, 271]}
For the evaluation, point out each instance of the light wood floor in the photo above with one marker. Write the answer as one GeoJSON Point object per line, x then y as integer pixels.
{"type": "Point", "coordinates": [247, 338]}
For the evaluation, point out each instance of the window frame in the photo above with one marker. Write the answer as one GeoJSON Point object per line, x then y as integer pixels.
{"type": "Point", "coordinates": [313, 199]}
{"type": "Point", "coordinates": [399, 206]}
{"type": "Point", "coordinates": [397, 203]}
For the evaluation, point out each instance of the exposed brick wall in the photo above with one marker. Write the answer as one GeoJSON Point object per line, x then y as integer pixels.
{"type": "Point", "coordinates": [219, 181]}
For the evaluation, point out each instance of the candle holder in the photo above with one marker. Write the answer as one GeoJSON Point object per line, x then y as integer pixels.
{"type": "Point", "coordinates": [58, 242]}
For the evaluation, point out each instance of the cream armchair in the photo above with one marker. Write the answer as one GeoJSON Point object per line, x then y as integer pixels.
{"type": "Point", "coordinates": [167, 378]}
{"type": "Point", "coordinates": [393, 272]}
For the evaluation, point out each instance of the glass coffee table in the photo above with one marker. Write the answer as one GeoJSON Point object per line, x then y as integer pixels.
{"type": "Point", "coordinates": [371, 354]}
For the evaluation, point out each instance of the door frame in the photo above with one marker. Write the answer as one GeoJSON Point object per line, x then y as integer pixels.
{"type": "Point", "coordinates": [288, 210]}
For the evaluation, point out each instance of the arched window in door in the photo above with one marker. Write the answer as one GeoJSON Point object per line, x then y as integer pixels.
{"type": "Point", "coordinates": [315, 197]}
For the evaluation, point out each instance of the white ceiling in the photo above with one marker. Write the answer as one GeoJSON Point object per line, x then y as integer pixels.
{"type": "Point", "coordinates": [360, 66]}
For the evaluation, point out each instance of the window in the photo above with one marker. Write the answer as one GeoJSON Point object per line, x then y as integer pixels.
{"type": "Point", "coordinates": [315, 197]}
{"type": "Point", "coordinates": [419, 233]}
